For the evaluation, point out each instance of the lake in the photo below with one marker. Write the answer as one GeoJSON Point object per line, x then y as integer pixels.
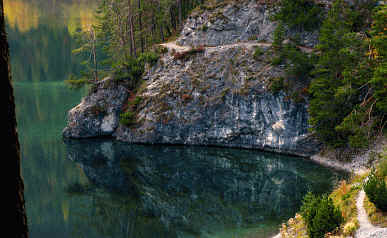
{"type": "Point", "coordinates": [104, 188]}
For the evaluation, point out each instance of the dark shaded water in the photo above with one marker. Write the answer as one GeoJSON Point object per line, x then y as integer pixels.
{"type": "Point", "coordinates": [101, 188]}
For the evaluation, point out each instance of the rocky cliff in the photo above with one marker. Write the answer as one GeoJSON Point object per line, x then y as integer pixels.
{"type": "Point", "coordinates": [210, 88]}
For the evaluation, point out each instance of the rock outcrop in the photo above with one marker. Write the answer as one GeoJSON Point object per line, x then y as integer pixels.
{"type": "Point", "coordinates": [216, 94]}
{"type": "Point", "coordinates": [227, 24]}
{"type": "Point", "coordinates": [231, 22]}
{"type": "Point", "coordinates": [98, 113]}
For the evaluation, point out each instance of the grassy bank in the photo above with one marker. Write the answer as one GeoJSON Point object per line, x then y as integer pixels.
{"type": "Point", "coordinates": [344, 197]}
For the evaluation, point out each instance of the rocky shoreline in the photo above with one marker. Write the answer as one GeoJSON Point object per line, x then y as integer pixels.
{"type": "Point", "coordinates": [210, 88]}
{"type": "Point", "coordinates": [358, 164]}
{"type": "Point", "coordinates": [216, 95]}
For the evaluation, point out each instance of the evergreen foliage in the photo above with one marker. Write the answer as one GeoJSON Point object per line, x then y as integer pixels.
{"type": "Point", "coordinates": [128, 118]}
{"type": "Point", "coordinates": [125, 33]}
{"type": "Point", "coordinates": [348, 81]}
{"type": "Point", "coordinates": [376, 190]}
{"type": "Point", "coordinates": [299, 14]}
{"type": "Point", "coordinates": [257, 53]}
{"type": "Point", "coordinates": [379, 52]}
{"type": "Point", "coordinates": [276, 85]}
{"type": "Point", "coordinates": [278, 37]}
{"type": "Point", "coordinates": [300, 64]}
{"type": "Point", "coordinates": [320, 215]}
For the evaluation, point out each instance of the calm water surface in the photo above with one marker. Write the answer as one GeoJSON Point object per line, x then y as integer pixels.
{"type": "Point", "coordinates": [101, 188]}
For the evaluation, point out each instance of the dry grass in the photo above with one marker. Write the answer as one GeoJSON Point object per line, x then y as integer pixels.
{"type": "Point", "coordinates": [295, 227]}
{"type": "Point", "coordinates": [376, 216]}
{"type": "Point", "coordinates": [344, 196]}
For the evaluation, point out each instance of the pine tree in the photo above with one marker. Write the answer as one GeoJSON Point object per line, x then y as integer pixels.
{"type": "Point", "coordinates": [325, 112]}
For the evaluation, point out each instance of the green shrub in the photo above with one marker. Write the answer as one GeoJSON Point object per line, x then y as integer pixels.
{"type": "Point", "coordinates": [278, 37]}
{"type": "Point", "coordinates": [133, 68]}
{"type": "Point", "coordinates": [376, 191]}
{"type": "Point", "coordinates": [149, 57]}
{"type": "Point", "coordinates": [320, 215]}
{"type": "Point", "coordinates": [382, 167]}
{"type": "Point", "coordinates": [128, 118]}
{"type": "Point", "coordinates": [75, 83]}
{"type": "Point", "coordinates": [300, 64]}
{"type": "Point", "coordinates": [135, 102]}
{"type": "Point", "coordinates": [276, 60]}
{"type": "Point", "coordinates": [204, 28]}
{"type": "Point", "coordinates": [276, 85]}
{"type": "Point", "coordinates": [258, 52]}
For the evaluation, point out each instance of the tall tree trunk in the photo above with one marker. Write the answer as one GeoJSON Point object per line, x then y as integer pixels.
{"type": "Point", "coordinates": [140, 26]}
{"type": "Point", "coordinates": [12, 142]}
{"type": "Point", "coordinates": [131, 28]}
{"type": "Point", "coordinates": [153, 28]}
{"type": "Point", "coordinates": [94, 52]}
{"type": "Point", "coordinates": [180, 14]}
{"type": "Point", "coordinates": [172, 17]}
{"type": "Point", "coordinates": [162, 33]}
{"type": "Point", "coordinates": [161, 25]}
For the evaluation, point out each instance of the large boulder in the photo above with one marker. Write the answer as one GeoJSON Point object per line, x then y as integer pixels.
{"type": "Point", "coordinates": [98, 113]}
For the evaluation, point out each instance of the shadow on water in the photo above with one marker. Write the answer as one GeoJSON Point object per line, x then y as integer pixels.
{"type": "Point", "coordinates": [176, 191]}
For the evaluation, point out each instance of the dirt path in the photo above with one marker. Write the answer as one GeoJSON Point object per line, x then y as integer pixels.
{"type": "Point", "coordinates": [366, 229]}
{"type": "Point", "coordinates": [178, 48]}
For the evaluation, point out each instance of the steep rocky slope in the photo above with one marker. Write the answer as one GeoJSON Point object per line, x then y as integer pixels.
{"type": "Point", "coordinates": [215, 94]}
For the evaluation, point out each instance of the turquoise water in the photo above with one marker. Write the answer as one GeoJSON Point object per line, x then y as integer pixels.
{"type": "Point", "coordinates": [102, 188]}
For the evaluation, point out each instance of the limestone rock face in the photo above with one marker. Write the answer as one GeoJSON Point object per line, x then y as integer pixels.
{"type": "Point", "coordinates": [228, 24]}
{"type": "Point", "coordinates": [233, 22]}
{"type": "Point", "coordinates": [219, 97]}
{"type": "Point", "coordinates": [98, 113]}
{"type": "Point", "coordinates": [217, 94]}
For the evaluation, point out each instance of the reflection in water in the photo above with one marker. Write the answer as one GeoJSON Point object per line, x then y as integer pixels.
{"type": "Point", "coordinates": [194, 191]}
{"type": "Point", "coordinates": [42, 54]}
{"type": "Point", "coordinates": [41, 108]}
{"type": "Point", "coordinates": [26, 15]}
{"type": "Point", "coordinates": [40, 37]}
{"type": "Point", "coordinates": [116, 190]}
{"type": "Point", "coordinates": [120, 190]}
{"type": "Point", "coordinates": [21, 14]}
